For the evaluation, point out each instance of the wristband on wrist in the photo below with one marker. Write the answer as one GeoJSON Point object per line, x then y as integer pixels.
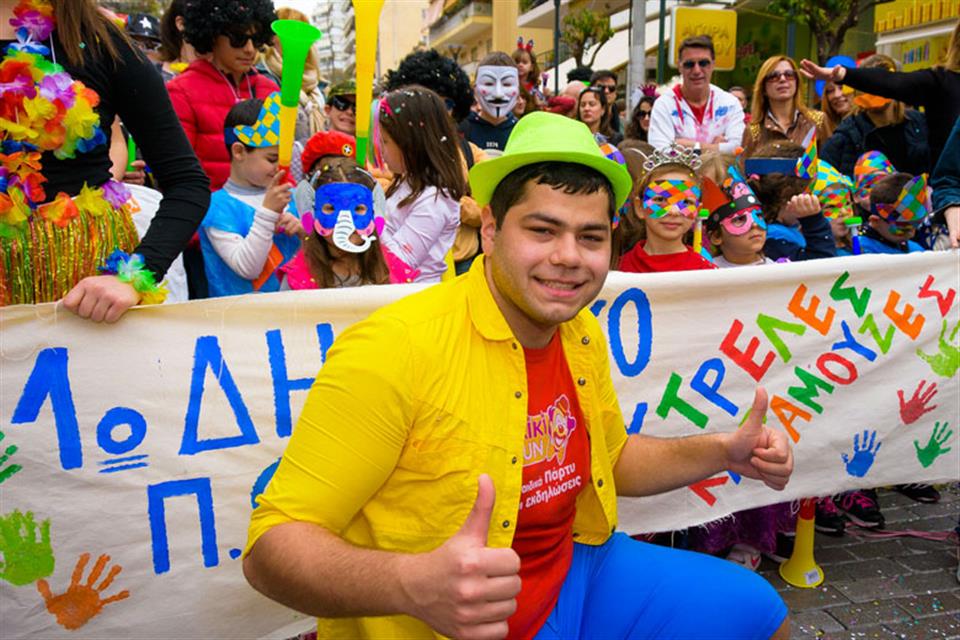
{"type": "Point", "coordinates": [131, 269]}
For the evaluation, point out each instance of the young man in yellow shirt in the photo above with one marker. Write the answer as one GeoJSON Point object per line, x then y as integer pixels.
{"type": "Point", "coordinates": [456, 466]}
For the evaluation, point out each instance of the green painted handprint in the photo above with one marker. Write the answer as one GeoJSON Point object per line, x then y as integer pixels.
{"type": "Point", "coordinates": [933, 450]}
{"type": "Point", "coordinates": [947, 360]}
{"type": "Point", "coordinates": [26, 557]}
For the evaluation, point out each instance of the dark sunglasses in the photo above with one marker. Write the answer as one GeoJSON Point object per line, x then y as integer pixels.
{"type": "Point", "coordinates": [342, 104]}
{"type": "Point", "coordinates": [789, 74]}
{"type": "Point", "coordinates": [609, 88]}
{"type": "Point", "coordinates": [147, 44]}
{"type": "Point", "coordinates": [238, 40]}
{"type": "Point", "coordinates": [644, 114]}
{"type": "Point", "coordinates": [703, 63]}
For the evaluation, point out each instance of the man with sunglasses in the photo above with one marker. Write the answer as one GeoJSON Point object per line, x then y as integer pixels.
{"type": "Point", "coordinates": [341, 108]}
{"type": "Point", "coordinates": [696, 113]}
{"type": "Point", "coordinates": [607, 80]}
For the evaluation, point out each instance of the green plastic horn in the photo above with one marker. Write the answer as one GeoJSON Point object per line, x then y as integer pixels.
{"type": "Point", "coordinates": [296, 38]}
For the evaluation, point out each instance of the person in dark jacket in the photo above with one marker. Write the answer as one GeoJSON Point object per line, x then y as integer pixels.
{"type": "Point", "coordinates": [937, 89]}
{"type": "Point", "coordinates": [94, 51]}
{"type": "Point", "coordinates": [880, 124]}
{"type": "Point", "coordinates": [945, 182]}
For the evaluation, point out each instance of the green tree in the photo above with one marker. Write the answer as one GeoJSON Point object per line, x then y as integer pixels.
{"type": "Point", "coordinates": [829, 20]}
{"type": "Point", "coordinates": [582, 30]}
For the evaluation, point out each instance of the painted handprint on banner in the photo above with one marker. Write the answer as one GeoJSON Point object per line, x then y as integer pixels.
{"type": "Point", "coordinates": [864, 453]}
{"type": "Point", "coordinates": [81, 602]}
{"type": "Point", "coordinates": [934, 450]}
{"type": "Point", "coordinates": [947, 360]}
{"type": "Point", "coordinates": [9, 470]}
{"type": "Point", "coordinates": [912, 409]}
{"type": "Point", "coordinates": [27, 553]}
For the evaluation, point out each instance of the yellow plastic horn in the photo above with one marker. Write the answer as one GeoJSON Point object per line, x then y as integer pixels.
{"type": "Point", "coordinates": [801, 570]}
{"type": "Point", "coordinates": [366, 15]}
{"type": "Point", "coordinates": [296, 38]}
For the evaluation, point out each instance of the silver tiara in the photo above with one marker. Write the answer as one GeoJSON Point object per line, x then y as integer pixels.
{"type": "Point", "coordinates": [672, 154]}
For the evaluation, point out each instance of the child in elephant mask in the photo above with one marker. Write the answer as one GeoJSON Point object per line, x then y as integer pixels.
{"type": "Point", "coordinates": [342, 212]}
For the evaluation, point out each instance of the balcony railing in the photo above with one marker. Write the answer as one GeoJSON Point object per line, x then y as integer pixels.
{"type": "Point", "coordinates": [460, 12]}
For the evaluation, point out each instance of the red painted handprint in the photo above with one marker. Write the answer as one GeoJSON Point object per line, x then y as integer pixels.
{"type": "Point", "coordinates": [81, 602]}
{"type": "Point", "coordinates": [913, 409]}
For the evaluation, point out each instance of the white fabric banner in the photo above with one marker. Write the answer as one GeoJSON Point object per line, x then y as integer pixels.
{"type": "Point", "coordinates": [130, 455]}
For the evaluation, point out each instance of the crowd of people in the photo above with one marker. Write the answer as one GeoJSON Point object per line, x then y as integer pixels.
{"type": "Point", "coordinates": [188, 105]}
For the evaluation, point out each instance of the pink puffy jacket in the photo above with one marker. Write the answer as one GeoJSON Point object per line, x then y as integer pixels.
{"type": "Point", "coordinates": [202, 96]}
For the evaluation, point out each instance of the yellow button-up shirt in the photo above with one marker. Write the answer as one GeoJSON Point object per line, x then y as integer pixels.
{"type": "Point", "coordinates": [411, 406]}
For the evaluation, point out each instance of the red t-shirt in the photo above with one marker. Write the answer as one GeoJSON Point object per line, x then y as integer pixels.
{"type": "Point", "coordinates": [698, 111]}
{"type": "Point", "coordinates": [639, 261]}
{"type": "Point", "coordinates": [556, 466]}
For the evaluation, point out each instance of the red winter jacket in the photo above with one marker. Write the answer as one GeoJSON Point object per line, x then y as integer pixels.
{"type": "Point", "coordinates": [202, 96]}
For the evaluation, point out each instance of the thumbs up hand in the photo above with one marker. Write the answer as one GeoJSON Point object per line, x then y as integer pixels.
{"type": "Point", "coordinates": [464, 589]}
{"type": "Point", "coordinates": [757, 451]}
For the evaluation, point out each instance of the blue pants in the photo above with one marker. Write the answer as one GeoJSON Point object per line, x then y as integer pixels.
{"type": "Point", "coordinates": [630, 589]}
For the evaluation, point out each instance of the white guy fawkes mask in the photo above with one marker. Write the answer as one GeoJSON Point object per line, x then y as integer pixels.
{"type": "Point", "coordinates": [497, 90]}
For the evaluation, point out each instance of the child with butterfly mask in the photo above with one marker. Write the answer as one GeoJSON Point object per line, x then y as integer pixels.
{"type": "Point", "coordinates": [736, 227]}
{"type": "Point", "coordinates": [667, 203]}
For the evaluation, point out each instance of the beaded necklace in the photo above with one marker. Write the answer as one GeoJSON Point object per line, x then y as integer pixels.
{"type": "Point", "coordinates": [48, 246]}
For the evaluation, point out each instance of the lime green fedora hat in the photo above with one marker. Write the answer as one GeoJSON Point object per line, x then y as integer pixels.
{"type": "Point", "coordinates": [547, 137]}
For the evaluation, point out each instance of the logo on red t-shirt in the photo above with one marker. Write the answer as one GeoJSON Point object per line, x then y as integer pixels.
{"type": "Point", "coordinates": [548, 433]}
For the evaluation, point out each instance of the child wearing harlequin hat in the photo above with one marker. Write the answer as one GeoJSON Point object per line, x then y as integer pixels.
{"type": "Point", "coordinates": [780, 174]}
{"type": "Point", "coordinates": [898, 204]}
{"type": "Point", "coordinates": [893, 214]}
{"type": "Point", "coordinates": [666, 202]}
{"type": "Point", "coordinates": [246, 234]}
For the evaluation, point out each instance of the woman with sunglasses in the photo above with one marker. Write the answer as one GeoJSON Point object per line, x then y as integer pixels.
{"type": "Point", "coordinates": [231, 33]}
{"type": "Point", "coordinates": [880, 124]}
{"type": "Point", "coordinates": [592, 111]}
{"type": "Point", "coordinates": [639, 126]}
{"type": "Point", "coordinates": [936, 89]}
{"type": "Point", "coordinates": [778, 112]}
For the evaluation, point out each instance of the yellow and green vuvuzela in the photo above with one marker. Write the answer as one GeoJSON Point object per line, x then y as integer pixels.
{"type": "Point", "coordinates": [366, 15]}
{"type": "Point", "coordinates": [296, 38]}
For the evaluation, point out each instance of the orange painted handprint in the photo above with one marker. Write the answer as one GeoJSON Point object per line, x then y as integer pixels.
{"type": "Point", "coordinates": [80, 602]}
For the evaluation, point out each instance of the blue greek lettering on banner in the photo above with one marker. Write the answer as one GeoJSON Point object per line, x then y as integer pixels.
{"type": "Point", "coordinates": [207, 354]}
{"type": "Point", "coordinates": [157, 494]}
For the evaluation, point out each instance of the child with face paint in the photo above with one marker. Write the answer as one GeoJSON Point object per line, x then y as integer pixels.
{"type": "Point", "coordinates": [339, 209]}
{"type": "Point", "coordinates": [667, 203]}
{"type": "Point", "coordinates": [421, 149]}
{"type": "Point", "coordinates": [247, 234]}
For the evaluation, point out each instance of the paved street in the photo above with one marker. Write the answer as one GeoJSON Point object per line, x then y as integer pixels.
{"type": "Point", "coordinates": [883, 588]}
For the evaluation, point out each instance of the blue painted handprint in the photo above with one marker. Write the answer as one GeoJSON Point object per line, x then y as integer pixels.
{"type": "Point", "coordinates": [863, 455]}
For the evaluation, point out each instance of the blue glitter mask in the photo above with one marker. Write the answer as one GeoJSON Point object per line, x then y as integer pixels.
{"type": "Point", "coordinates": [334, 197]}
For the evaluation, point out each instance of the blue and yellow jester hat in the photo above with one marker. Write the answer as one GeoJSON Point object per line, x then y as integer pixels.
{"type": "Point", "coordinates": [265, 132]}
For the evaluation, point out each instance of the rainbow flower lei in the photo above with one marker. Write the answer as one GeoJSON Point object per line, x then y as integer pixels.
{"type": "Point", "coordinates": [44, 109]}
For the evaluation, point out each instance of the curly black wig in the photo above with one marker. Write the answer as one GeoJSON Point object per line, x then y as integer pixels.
{"type": "Point", "coordinates": [204, 20]}
{"type": "Point", "coordinates": [437, 73]}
